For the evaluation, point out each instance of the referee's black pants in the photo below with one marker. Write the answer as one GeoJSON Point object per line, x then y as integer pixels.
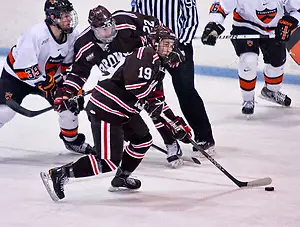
{"type": "Point", "coordinates": [190, 102]}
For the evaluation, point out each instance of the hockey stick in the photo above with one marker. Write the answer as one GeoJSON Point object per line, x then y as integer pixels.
{"type": "Point", "coordinates": [246, 36]}
{"type": "Point", "coordinates": [253, 183]}
{"type": "Point", "coordinates": [184, 158]}
{"type": "Point", "coordinates": [32, 113]}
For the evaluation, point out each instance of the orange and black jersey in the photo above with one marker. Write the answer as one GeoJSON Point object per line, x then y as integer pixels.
{"type": "Point", "coordinates": [120, 97]}
{"type": "Point", "coordinates": [259, 15]}
{"type": "Point", "coordinates": [88, 52]}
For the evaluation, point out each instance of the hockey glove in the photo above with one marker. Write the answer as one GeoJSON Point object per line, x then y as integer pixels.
{"type": "Point", "coordinates": [48, 87]}
{"type": "Point", "coordinates": [284, 28]}
{"type": "Point", "coordinates": [211, 33]}
{"type": "Point", "coordinates": [180, 129]}
{"type": "Point", "coordinates": [65, 100]}
{"type": "Point", "coordinates": [176, 57]}
{"type": "Point", "coordinates": [154, 105]}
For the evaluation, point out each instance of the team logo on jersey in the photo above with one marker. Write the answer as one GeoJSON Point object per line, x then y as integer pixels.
{"type": "Point", "coordinates": [90, 57]}
{"type": "Point", "coordinates": [8, 95]}
{"type": "Point", "coordinates": [249, 43]}
{"type": "Point", "coordinates": [53, 64]}
{"type": "Point", "coordinates": [267, 15]}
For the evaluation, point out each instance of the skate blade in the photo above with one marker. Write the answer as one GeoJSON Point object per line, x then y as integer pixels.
{"type": "Point", "coordinates": [121, 189]}
{"type": "Point", "coordinates": [46, 178]}
{"type": "Point", "coordinates": [192, 159]}
{"type": "Point", "coordinates": [271, 100]}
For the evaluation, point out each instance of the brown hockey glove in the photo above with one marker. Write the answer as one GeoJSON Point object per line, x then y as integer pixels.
{"type": "Point", "coordinates": [65, 100]}
{"type": "Point", "coordinates": [154, 104]}
{"type": "Point", "coordinates": [48, 87]}
{"type": "Point", "coordinates": [284, 28]}
{"type": "Point", "coordinates": [211, 32]}
{"type": "Point", "coordinates": [180, 129]}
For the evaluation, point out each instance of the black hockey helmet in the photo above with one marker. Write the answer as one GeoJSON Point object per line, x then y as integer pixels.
{"type": "Point", "coordinates": [103, 24]}
{"type": "Point", "coordinates": [56, 8]}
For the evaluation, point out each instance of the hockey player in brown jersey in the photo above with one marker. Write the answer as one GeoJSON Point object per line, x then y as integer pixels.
{"type": "Point", "coordinates": [116, 103]}
{"type": "Point", "coordinates": [105, 43]}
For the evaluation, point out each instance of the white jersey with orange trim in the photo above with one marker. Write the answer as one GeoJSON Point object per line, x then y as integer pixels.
{"type": "Point", "coordinates": [37, 54]}
{"type": "Point", "coordinates": [259, 15]}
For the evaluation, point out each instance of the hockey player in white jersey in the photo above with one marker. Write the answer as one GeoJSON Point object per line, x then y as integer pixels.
{"type": "Point", "coordinates": [34, 66]}
{"type": "Point", "coordinates": [263, 17]}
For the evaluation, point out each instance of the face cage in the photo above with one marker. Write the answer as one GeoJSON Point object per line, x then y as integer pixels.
{"type": "Point", "coordinates": [73, 23]}
{"type": "Point", "coordinates": [165, 59]}
{"type": "Point", "coordinates": [101, 33]}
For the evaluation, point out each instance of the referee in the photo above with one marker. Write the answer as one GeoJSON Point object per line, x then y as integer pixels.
{"type": "Point", "coordinates": [182, 17]}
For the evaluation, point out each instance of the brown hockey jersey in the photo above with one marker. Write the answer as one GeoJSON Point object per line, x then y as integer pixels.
{"type": "Point", "coordinates": [88, 51]}
{"type": "Point", "coordinates": [117, 99]}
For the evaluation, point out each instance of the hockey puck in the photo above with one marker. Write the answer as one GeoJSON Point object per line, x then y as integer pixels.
{"type": "Point", "coordinates": [269, 189]}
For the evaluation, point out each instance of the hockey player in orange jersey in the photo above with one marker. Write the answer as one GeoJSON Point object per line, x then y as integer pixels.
{"type": "Point", "coordinates": [34, 66]}
{"type": "Point", "coordinates": [263, 17]}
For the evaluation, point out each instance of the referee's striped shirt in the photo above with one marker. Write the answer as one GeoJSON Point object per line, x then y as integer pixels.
{"type": "Point", "coordinates": [179, 15]}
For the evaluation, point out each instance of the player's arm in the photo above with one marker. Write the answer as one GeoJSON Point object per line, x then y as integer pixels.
{"type": "Point", "coordinates": [289, 21]}
{"type": "Point", "coordinates": [25, 61]}
{"type": "Point", "coordinates": [217, 14]}
{"type": "Point", "coordinates": [79, 71]}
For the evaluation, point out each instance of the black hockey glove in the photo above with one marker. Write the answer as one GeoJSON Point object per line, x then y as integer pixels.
{"type": "Point", "coordinates": [211, 33]}
{"type": "Point", "coordinates": [154, 104]}
{"type": "Point", "coordinates": [284, 28]}
{"type": "Point", "coordinates": [48, 87]}
{"type": "Point", "coordinates": [180, 129]}
{"type": "Point", "coordinates": [65, 100]}
{"type": "Point", "coordinates": [176, 57]}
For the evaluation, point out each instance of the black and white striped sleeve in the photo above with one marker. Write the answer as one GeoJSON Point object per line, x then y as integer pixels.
{"type": "Point", "coordinates": [190, 21]}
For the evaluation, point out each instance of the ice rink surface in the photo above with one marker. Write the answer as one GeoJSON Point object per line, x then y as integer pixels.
{"type": "Point", "coordinates": [266, 145]}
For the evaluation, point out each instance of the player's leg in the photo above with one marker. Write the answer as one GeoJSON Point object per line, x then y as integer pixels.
{"type": "Point", "coordinates": [11, 88]}
{"type": "Point", "coordinates": [191, 104]}
{"type": "Point", "coordinates": [73, 140]}
{"type": "Point", "coordinates": [109, 148]}
{"type": "Point", "coordinates": [274, 53]}
{"type": "Point", "coordinates": [247, 51]}
{"type": "Point", "coordinates": [173, 147]}
{"type": "Point", "coordinates": [140, 140]}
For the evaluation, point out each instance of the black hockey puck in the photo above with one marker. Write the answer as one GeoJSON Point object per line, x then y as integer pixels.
{"type": "Point", "coordinates": [269, 189]}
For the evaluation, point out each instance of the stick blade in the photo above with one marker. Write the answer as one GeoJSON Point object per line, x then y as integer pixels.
{"type": "Point", "coordinates": [259, 182]}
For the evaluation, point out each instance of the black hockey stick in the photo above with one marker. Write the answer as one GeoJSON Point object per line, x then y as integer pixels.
{"type": "Point", "coordinates": [246, 36]}
{"type": "Point", "coordinates": [253, 183]}
{"type": "Point", "coordinates": [32, 113]}
{"type": "Point", "coordinates": [184, 158]}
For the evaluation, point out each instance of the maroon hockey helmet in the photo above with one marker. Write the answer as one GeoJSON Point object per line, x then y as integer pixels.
{"type": "Point", "coordinates": [103, 24]}
{"type": "Point", "coordinates": [164, 42]}
{"type": "Point", "coordinates": [54, 9]}
{"type": "Point", "coordinates": [161, 32]}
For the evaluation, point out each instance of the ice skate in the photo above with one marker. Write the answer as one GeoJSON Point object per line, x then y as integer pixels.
{"type": "Point", "coordinates": [248, 108]}
{"type": "Point", "coordinates": [207, 146]}
{"type": "Point", "coordinates": [58, 178]}
{"type": "Point", "coordinates": [122, 182]}
{"type": "Point", "coordinates": [275, 96]}
{"type": "Point", "coordinates": [174, 155]}
{"type": "Point", "coordinates": [78, 145]}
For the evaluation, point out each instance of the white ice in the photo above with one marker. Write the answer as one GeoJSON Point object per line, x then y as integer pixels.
{"type": "Point", "coordinates": [265, 145]}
